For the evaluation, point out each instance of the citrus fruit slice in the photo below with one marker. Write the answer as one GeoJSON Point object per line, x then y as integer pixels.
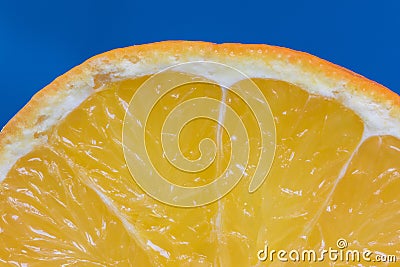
{"type": "Point", "coordinates": [320, 169]}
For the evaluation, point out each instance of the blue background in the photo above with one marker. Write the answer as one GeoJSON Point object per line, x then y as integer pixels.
{"type": "Point", "coordinates": [40, 40]}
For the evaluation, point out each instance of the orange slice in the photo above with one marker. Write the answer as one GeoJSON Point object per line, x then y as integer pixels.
{"type": "Point", "coordinates": [72, 194]}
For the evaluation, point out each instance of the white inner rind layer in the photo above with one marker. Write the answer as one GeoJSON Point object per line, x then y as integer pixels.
{"type": "Point", "coordinates": [377, 117]}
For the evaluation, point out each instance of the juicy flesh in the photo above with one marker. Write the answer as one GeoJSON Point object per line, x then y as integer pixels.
{"type": "Point", "coordinates": [73, 200]}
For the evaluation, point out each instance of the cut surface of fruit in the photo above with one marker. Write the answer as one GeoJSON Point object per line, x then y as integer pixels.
{"type": "Point", "coordinates": [67, 197]}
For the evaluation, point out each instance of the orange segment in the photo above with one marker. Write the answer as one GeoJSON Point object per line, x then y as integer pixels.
{"type": "Point", "coordinates": [50, 217]}
{"type": "Point", "coordinates": [286, 209]}
{"type": "Point", "coordinates": [367, 197]}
